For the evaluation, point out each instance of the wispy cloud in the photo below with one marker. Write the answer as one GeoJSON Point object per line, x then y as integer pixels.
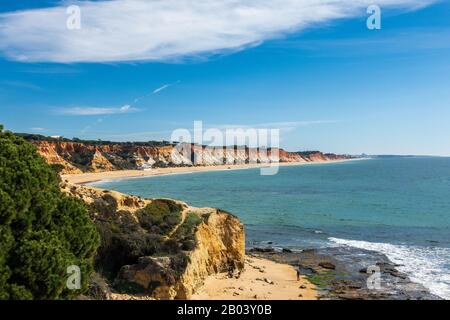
{"type": "Point", "coordinates": [89, 127]}
{"type": "Point", "coordinates": [390, 41]}
{"type": "Point", "coordinates": [38, 129]}
{"type": "Point", "coordinates": [138, 30]}
{"type": "Point", "coordinates": [139, 136]}
{"type": "Point", "coordinates": [49, 70]}
{"type": "Point", "coordinates": [93, 111]}
{"type": "Point", "coordinates": [282, 126]}
{"type": "Point", "coordinates": [21, 84]}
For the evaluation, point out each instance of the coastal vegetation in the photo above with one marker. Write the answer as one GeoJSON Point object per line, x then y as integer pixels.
{"type": "Point", "coordinates": [42, 231]}
{"type": "Point", "coordinates": [39, 137]}
{"type": "Point", "coordinates": [120, 244]}
{"type": "Point", "coordinates": [160, 216]}
{"type": "Point", "coordinates": [159, 232]}
{"type": "Point", "coordinates": [323, 279]}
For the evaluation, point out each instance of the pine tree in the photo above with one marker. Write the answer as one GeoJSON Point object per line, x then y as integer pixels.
{"type": "Point", "coordinates": [42, 231]}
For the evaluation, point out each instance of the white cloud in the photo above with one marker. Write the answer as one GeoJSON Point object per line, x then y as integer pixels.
{"type": "Point", "coordinates": [93, 111]}
{"type": "Point", "coordinates": [21, 84]}
{"type": "Point", "coordinates": [155, 30]}
{"type": "Point", "coordinates": [282, 126]}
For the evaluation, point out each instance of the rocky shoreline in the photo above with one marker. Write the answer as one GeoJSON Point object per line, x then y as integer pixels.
{"type": "Point", "coordinates": [337, 273]}
{"type": "Point", "coordinates": [340, 273]}
{"type": "Point", "coordinates": [333, 273]}
{"type": "Point", "coordinates": [157, 248]}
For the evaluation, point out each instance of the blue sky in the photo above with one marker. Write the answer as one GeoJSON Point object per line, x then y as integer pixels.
{"type": "Point", "coordinates": [326, 81]}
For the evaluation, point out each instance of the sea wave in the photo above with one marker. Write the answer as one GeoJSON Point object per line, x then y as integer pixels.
{"type": "Point", "coordinates": [429, 266]}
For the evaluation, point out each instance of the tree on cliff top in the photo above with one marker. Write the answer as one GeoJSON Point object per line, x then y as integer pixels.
{"type": "Point", "coordinates": [42, 231]}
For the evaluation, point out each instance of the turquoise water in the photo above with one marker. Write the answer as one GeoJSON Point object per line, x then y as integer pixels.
{"type": "Point", "coordinates": [398, 206]}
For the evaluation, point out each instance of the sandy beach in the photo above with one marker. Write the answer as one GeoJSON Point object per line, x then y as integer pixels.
{"type": "Point", "coordinates": [83, 178]}
{"type": "Point", "coordinates": [261, 280]}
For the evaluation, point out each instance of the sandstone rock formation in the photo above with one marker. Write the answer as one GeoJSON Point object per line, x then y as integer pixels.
{"type": "Point", "coordinates": [162, 261]}
{"type": "Point", "coordinates": [76, 157]}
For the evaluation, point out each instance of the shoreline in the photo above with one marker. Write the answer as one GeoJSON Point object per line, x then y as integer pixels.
{"type": "Point", "coordinates": [261, 279]}
{"type": "Point", "coordinates": [97, 177]}
{"type": "Point", "coordinates": [342, 273]}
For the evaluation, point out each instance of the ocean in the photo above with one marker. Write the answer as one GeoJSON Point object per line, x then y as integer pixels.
{"type": "Point", "coordinates": [399, 206]}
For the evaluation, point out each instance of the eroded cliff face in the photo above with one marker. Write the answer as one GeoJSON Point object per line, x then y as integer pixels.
{"type": "Point", "coordinates": [220, 246]}
{"type": "Point", "coordinates": [74, 157]}
{"type": "Point", "coordinates": [49, 151]}
{"type": "Point", "coordinates": [162, 259]}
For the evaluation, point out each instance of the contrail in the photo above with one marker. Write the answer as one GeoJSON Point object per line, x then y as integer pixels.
{"type": "Point", "coordinates": [156, 91]}
{"type": "Point", "coordinates": [127, 107]}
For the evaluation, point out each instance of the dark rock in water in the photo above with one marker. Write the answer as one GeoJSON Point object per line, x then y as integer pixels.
{"type": "Point", "coordinates": [350, 296]}
{"type": "Point", "coordinates": [263, 250]}
{"type": "Point", "coordinates": [389, 268]}
{"type": "Point", "coordinates": [309, 250]}
{"type": "Point", "coordinates": [327, 265]}
{"type": "Point", "coordinates": [307, 270]}
{"type": "Point", "coordinates": [286, 250]}
{"type": "Point", "coordinates": [341, 273]}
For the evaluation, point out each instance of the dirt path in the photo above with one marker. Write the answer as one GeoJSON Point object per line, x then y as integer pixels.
{"type": "Point", "coordinates": [183, 218]}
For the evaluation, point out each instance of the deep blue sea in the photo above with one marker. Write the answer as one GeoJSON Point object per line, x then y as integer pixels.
{"type": "Point", "coordinates": [397, 206]}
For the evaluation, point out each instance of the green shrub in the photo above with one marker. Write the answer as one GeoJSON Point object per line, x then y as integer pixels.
{"type": "Point", "coordinates": [206, 216]}
{"type": "Point", "coordinates": [186, 232]}
{"type": "Point", "coordinates": [122, 245]}
{"type": "Point", "coordinates": [170, 246]}
{"type": "Point", "coordinates": [124, 242]}
{"type": "Point", "coordinates": [57, 167]}
{"type": "Point", "coordinates": [42, 231]}
{"type": "Point", "coordinates": [160, 216]}
{"type": "Point", "coordinates": [178, 264]}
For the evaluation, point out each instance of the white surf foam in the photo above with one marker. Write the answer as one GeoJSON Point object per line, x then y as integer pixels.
{"type": "Point", "coordinates": [429, 266]}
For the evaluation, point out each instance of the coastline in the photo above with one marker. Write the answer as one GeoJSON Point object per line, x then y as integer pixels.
{"type": "Point", "coordinates": [94, 177]}
{"type": "Point", "coordinates": [261, 279]}
{"type": "Point", "coordinates": [271, 273]}
{"type": "Point", "coordinates": [342, 273]}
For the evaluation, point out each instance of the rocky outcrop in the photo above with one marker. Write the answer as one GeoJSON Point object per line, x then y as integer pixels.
{"type": "Point", "coordinates": [220, 247]}
{"type": "Point", "coordinates": [77, 157]}
{"type": "Point", "coordinates": [118, 202]}
{"type": "Point", "coordinates": [341, 273]}
{"type": "Point", "coordinates": [317, 156]}
{"type": "Point", "coordinates": [164, 254]}
{"type": "Point", "coordinates": [49, 151]}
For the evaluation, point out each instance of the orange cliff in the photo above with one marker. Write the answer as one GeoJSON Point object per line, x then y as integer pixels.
{"type": "Point", "coordinates": [78, 157]}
